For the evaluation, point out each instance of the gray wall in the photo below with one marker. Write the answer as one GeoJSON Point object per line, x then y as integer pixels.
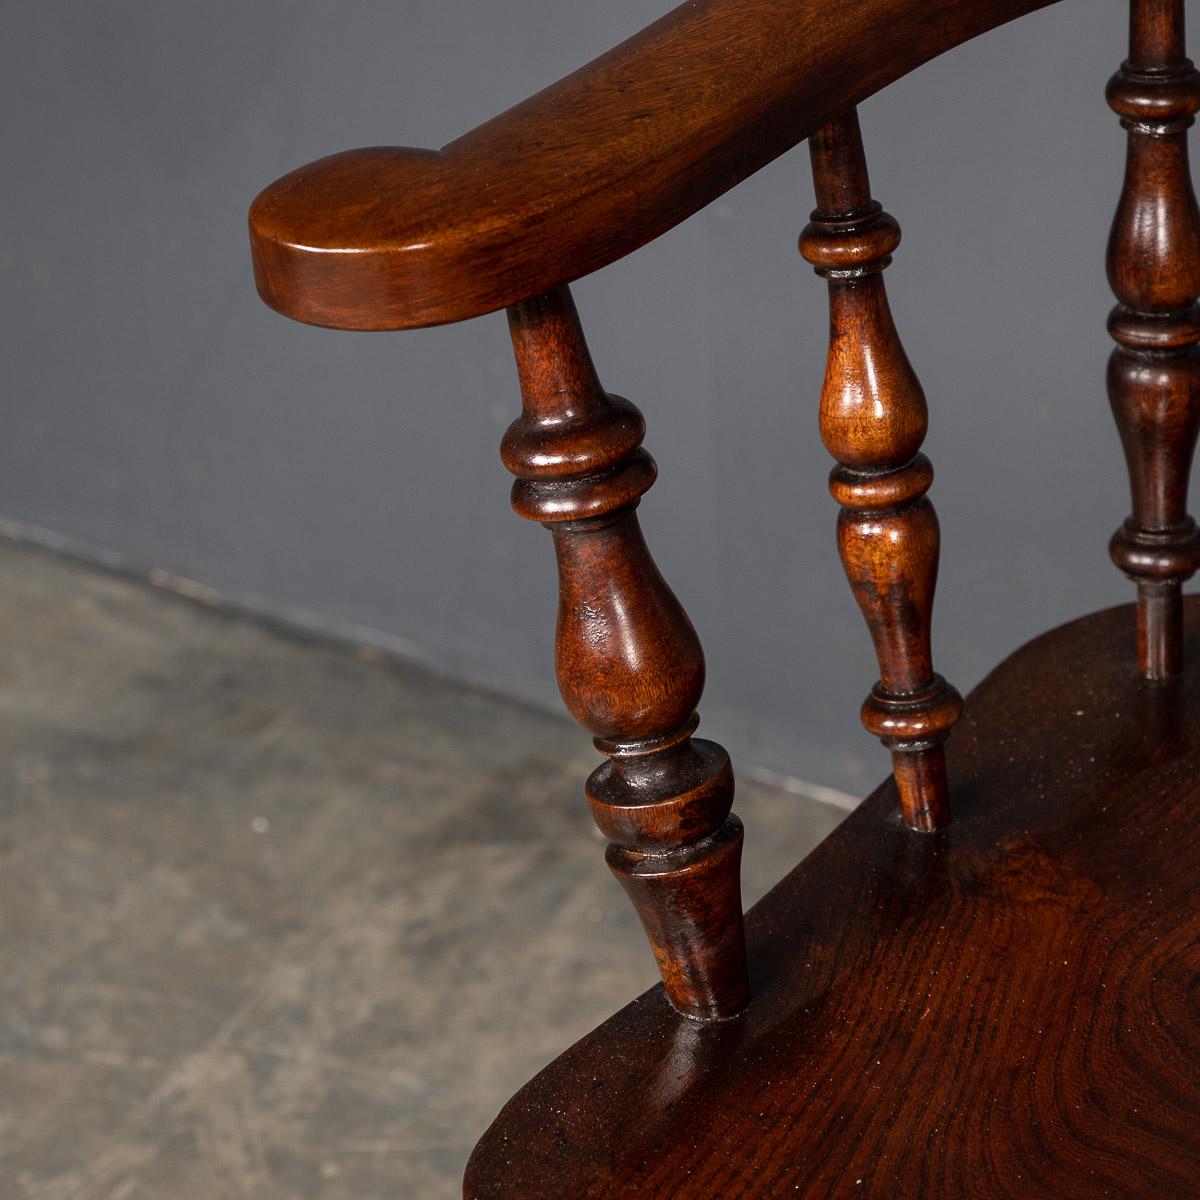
{"type": "Point", "coordinates": [153, 407]}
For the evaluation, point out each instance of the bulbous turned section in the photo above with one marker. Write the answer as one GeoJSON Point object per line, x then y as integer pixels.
{"type": "Point", "coordinates": [629, 664]}
{"type": "Point", "coordinates": [873, 413]}
{"type": "Point", "coordinates": [873, 421]}
{"type": "Point", "coordinates": [612, 600]}
{"type": "Point", "coordinates": [1154, 373]}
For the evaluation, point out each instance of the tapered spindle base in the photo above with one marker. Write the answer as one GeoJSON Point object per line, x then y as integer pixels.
{"type": "Point", "coordinates": [921, 782]}
{"type": "Point", "coordinates": [689, 900]}
{"type": "Point", "coordinates": [1159, 561]}
{"type": "Point", "coordinates": [1160, 629]}
{"type": "Point", "coordinates": [914, 727]}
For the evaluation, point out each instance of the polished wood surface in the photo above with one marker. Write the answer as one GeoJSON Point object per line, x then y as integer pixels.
{"type": "Point", "coordinates": [1004, 1008]}
{"type": "Point", "coordinates": [1154, 374]}
{"type": "Point", "coordinates": [589, 169]}
{"type": "Point", "coordinates": [629, 663]}
{"type": "Point", "coordinates": [873, 421]}
{"type": "Point", "coordinates": [996, 1005]}
{"type": "Point", "coordinates": [1155, 371]}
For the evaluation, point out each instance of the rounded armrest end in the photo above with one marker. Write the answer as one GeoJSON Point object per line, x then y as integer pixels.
{"type": "Point", "coordinates": [334, 244]}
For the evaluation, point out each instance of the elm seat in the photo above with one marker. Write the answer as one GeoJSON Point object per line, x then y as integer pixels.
{"type": "Point", "coordinates": [1005, 1008]}
{"type": "Point", "coordinates": [984, 983]}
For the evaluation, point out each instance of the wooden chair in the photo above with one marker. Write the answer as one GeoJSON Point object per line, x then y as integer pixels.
{"type": "Point", "coordinates": [984, 983]}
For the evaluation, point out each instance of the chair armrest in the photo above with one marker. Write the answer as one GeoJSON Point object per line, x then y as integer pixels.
{"type": "Point", "coordinates": [593, 167]}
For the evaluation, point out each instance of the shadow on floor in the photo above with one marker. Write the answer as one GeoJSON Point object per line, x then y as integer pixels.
{"type": "Point", "coordinates": [278, 919]}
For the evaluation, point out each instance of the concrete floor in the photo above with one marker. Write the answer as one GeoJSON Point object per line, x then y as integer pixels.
{"type": "Point", "coordinates": [281, 919]}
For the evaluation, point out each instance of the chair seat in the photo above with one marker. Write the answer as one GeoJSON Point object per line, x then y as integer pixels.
{"type": "Point", "coordinates": [1005, 1008]}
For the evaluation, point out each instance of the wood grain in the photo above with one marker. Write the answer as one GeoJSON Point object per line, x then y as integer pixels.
{"type": "Point", "coordinates": [1004, 1008]}
{"type": "Point", "coordinates": [873, 421]}
{"type": "Point", "coordinates": [629, 664]}
{"type": "Point", "coordinates": [590, 169]}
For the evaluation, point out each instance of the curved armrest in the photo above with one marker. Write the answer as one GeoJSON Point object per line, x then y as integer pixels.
{"type": "Point", "coordinates": [589, 169]}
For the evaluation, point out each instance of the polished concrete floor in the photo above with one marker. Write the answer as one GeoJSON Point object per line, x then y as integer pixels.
{"type": "Point", "coordinates": [279, 918]}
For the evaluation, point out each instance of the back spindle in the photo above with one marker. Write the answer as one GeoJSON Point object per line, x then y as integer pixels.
{"type": "Point", "coordinates": [873, 421]}
{"type": "Point", "coordinates": [1154, 373]}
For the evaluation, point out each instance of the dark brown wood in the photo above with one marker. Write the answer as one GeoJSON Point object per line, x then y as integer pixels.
{"type": "Point", "coordinates": [1001, 1006]}
{"type": "Point", "coordinates": [629, 663]}
{"type": "Point", "coordinates": [1005, 1008]}
{"type": "Point", "coordinates": [873, 421]}
{"type": "Point", "coordinates": [589, 169]}
{"type": "Point", "coordinates": [1154, 374]}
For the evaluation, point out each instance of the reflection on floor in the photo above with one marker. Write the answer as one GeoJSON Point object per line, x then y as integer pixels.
{"type": "Point", "coordinates": [280, 919]}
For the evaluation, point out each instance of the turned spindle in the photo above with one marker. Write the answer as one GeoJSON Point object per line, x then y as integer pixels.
{"type": "Point", "coordinates": [1154, 373]}
{"type": "Point", "coordinates": [873, 421]}
{"type": "Point", "coordinates": [629, 663]}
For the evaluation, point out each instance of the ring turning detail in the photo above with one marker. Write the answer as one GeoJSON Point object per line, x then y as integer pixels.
{"type": "Point", "coordinates": [629, 663]}
{"type": "Point", "coordinates": [1070, 861]}
{"type": "Point", "coordinates": [873, 421]}
{"type": "Point", "coordinates": [1154, 373]}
